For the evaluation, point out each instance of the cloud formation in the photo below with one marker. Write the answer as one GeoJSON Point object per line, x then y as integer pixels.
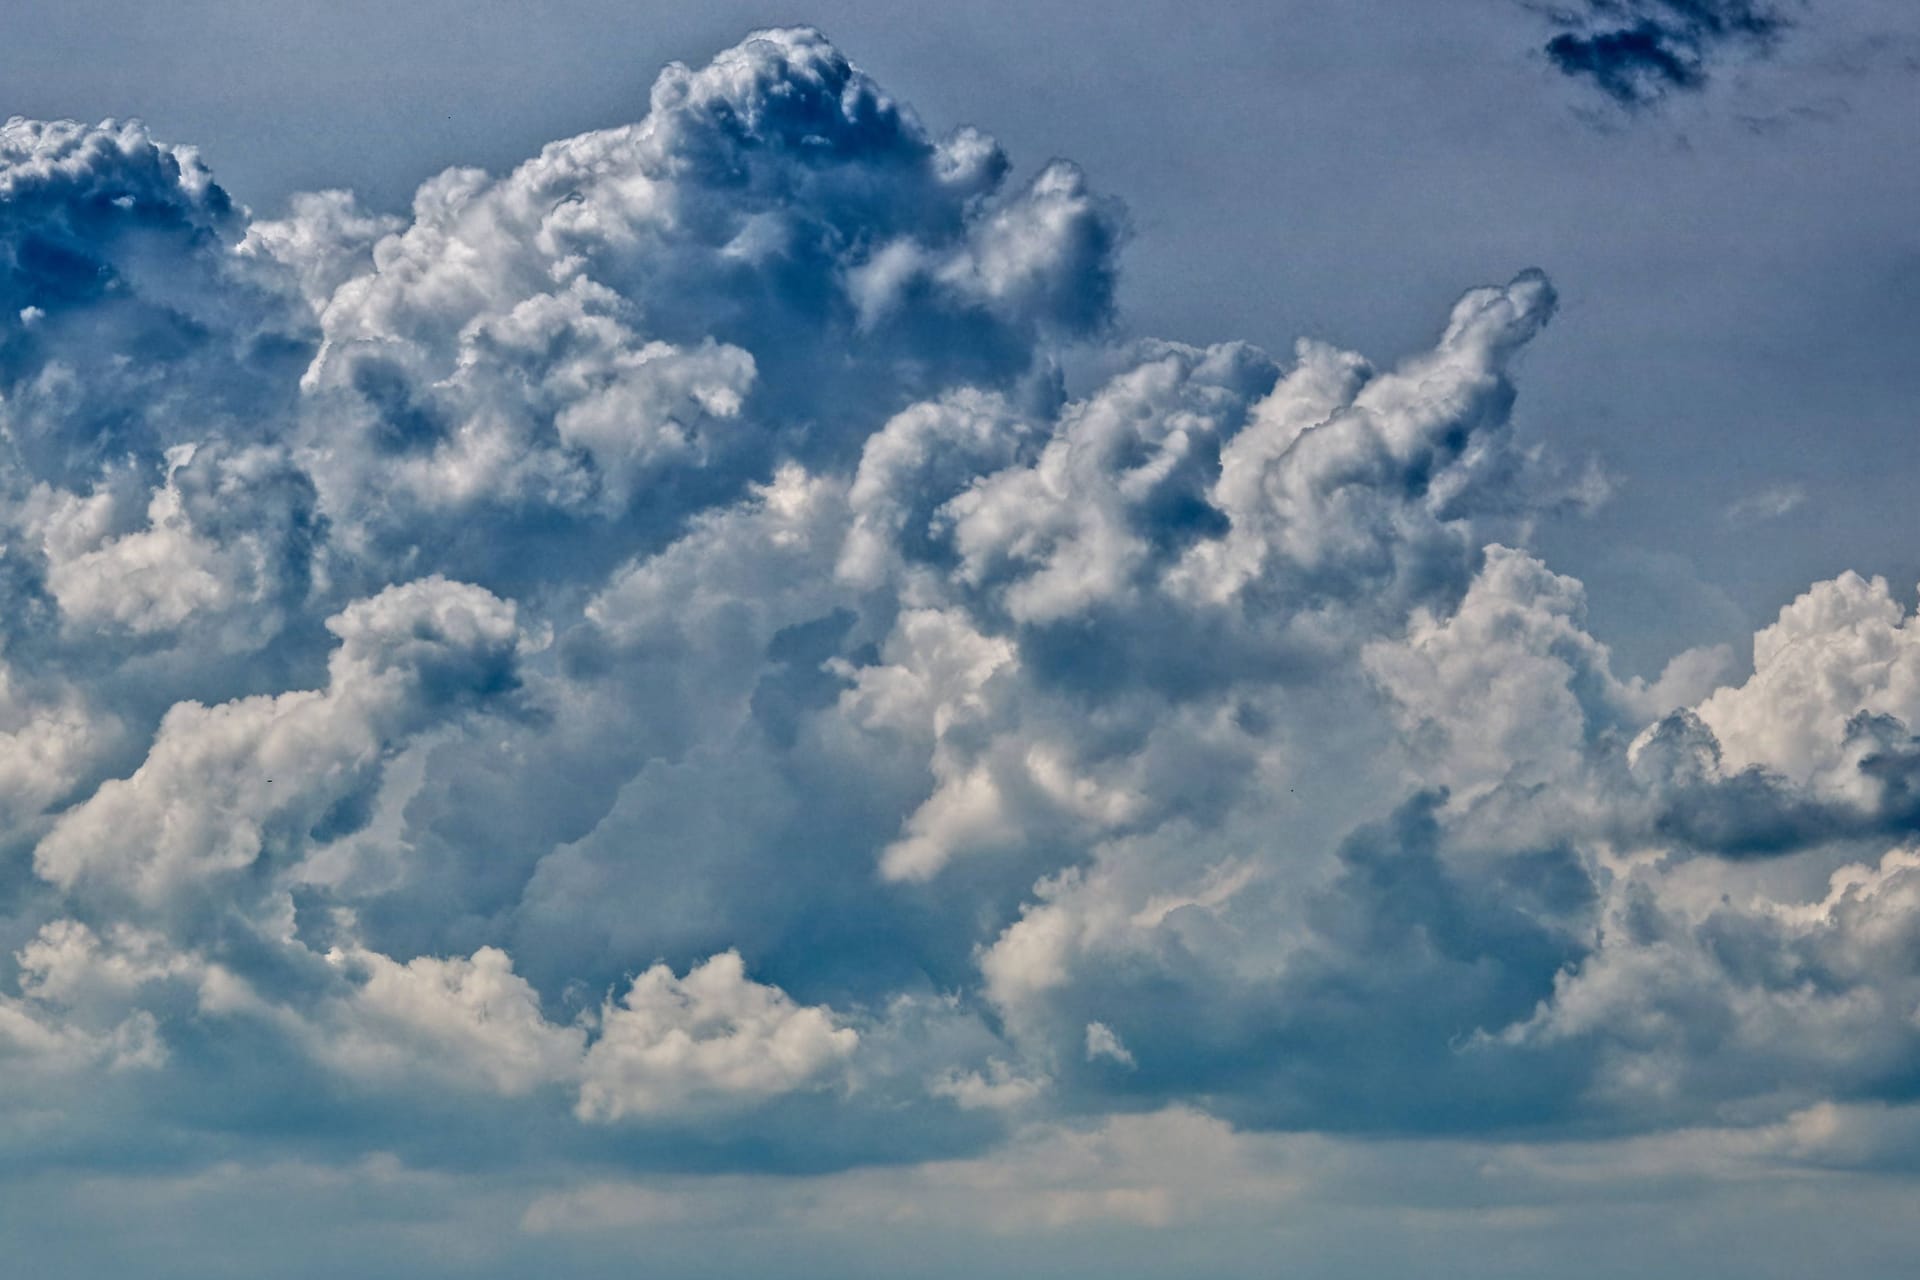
{"type": "Point", "coordinates": [1637, 52]}
{"type": "Point", "coordinates": [652, 659]}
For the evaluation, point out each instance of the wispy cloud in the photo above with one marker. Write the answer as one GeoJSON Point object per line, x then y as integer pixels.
{"type": "Point", "coordinates": [1768, 504]}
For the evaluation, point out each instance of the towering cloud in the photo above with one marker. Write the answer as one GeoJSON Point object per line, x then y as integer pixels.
{"type": "Point", "coordinates": [651, 658]}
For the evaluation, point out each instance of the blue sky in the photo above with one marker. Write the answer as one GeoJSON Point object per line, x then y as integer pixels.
{"type": "Point", "coordinates": [1123, 640]}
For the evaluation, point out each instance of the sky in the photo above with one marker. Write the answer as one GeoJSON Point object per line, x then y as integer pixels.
{"type": "Point", "coordinates": [1124, 640]}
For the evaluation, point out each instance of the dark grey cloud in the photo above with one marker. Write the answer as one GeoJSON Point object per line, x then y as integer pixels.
{"type": "Point", "coordinates": [125, 325]}
{"type": "Point", "coordinates": [1756, 812]}
{"type": "Point", "coordinates": [1639, 51]}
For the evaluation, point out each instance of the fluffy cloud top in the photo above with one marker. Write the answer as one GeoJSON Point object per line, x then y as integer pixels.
{"type": "Point", "coordinates": [671, 1043]}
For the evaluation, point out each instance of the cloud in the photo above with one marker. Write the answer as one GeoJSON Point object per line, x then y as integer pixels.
{"type": "Point", "coordinates": [997, 1088]}
{"type": "Point", "coordinates": [715, 1035]}
{"type": "Point", "coordinates": [223, 787]}
{"type": "Point", "coordinates": [71, 1015]}
{"type": "Point", "coordinates": [1103, 1043]}
{"type": "Point", "coordinates": [1768, 504]}
{"type": "Point", "coordinates": [126, 324]}
{"type": "Point", "coordinates": [50, 742]}
{"type": "Point", "coordinates": [1844, 647]}
{"type": "Point", "coordinates": [707, 651]}
{"type": "Point", "coordinates": [774, 211]}
{"type": "Point", "coordinates": [1506, 691]}
{"type": "Point", "coordinates": [1637, 52]}
{"type": "Point", "coordinates": [1692, 997]}
{"type": "Point", "coordinates": [470, 1022]}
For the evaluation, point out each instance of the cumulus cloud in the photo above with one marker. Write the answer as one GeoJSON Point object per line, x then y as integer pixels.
{"type": "Point", "coordinates": [1683, 1001]}
{"type": "Point", "coordinates": [222, 787]}
{"type": "Point", "coordinates": [126, 324]}
{"type": "Point", "coordinates": [1493, 696]}
{"type": "Point", "coordinates": [50, 741]}
{"type": "Point", "coordinates": [997, 1088]}
{"type": "Point", "coordinates": [686, 555]}
{"type": "Point", "coordinates": [587, 330]}
{"type": "Point", "coordinates": [1845, 647]}
{"type": "Point", "coordinates": [72, 1011]}
{"type": "Point", "coordinates": [470, 1021]}
{"type": "Point", "coordinates": [715, 1035]}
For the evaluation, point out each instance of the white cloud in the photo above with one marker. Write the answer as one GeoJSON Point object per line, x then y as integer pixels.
{"type": "Point", "coordinates": [471, 1022]}
{"type": "Point", "coordinates": [224, 786]}
{"type": "Point", "coordinates": [1103, 1043]}
{"type": "Point", "coordinates": [50, 740]}
{"type": "Point", "coordinates": [1767, 504]}
{"type": "Point", "coordinates": [78, 1005]}
{"type": "Point", "coordinates": [1845, 646]}
{"type": "Point", "coordinates": [712, 1039]}
{"type": "Point", "coordinates": [1492, 695]}
{"type": "Point", "coordinates": [997, 1088]}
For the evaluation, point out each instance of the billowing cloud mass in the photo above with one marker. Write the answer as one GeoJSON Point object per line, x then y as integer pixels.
{"type": "Point", "coordinates": [1639, 51]}
{"type": "Point", "coordinates": [705, 651]}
